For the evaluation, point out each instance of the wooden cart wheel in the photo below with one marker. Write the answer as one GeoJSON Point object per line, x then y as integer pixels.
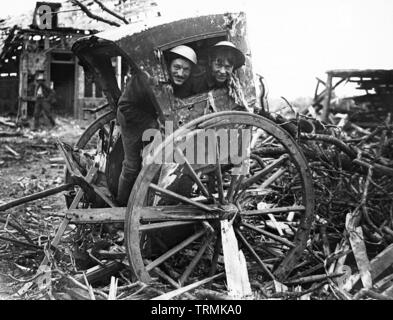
{"type": "Point", "coordinates": [90, 139]}
{"type": "Point", "coordinates": [271, 205]}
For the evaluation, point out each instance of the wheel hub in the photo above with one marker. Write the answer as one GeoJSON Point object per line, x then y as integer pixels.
{"type": "Point", "coordinates": [230, 210]}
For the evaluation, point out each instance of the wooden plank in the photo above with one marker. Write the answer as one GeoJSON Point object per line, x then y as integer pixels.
{"type": "Point", "coordinates": [359, 250]}
{"type": "Point", "coordinates": [45, 278]}
{"type": "Point", "coordinates": [235, 263]}
{"type": "Point", "coordinates": [35, 196]}
{"type": "Point", "coordinates": [98, 272]}
{"type": "Point", "coordinates": [185, 289]}
{"type": "Point", "coordinates": [113, 289]}
{"type": "Point", "coordinates": [148, 214]}
{"type": "Point", "coordinates": [382, 261]}
{"type": "Point", "coordinates": [388, 292]}
{"type": "Point", "coordinates": [7, 122]}
{"type": "Point", "coordinates": [23, 72]}
{"type": "Point", "coordinates": [327, 98]}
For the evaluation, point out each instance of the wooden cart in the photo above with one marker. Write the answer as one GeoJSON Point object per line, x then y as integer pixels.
{"type": "Point", "coordinates": [180, 211]}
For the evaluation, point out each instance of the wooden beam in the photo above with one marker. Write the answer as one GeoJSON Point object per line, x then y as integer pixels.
{"type": "Point", "coordinates": [235, 263]}
{"type": "Point", "coordinates": [174, 293]}
{"type": "Point", "coordinates": [35, 196]}
{"type": "Point", "coordinates": [98, 272]}
{"type": "Point", "coordinates": [326, 102]}
{"type": "Point", "coordinates": [148, 214]}
{"type": "Point", "coordinates": [23, 72]}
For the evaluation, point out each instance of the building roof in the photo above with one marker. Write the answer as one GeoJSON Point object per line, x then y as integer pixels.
{"type": "Point", "coordinates": [365, 73]}
{"type": "Point", "coordinates": [71, 15]}
{"type": "Point", "coordinates": [379, 80]}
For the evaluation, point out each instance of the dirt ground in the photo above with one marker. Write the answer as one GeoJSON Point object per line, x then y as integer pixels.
{"type": "Point", "coordinates": [31, 170]}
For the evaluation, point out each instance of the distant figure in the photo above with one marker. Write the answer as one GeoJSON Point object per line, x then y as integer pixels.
{"type": "Point", "coordinates": [44, 98]}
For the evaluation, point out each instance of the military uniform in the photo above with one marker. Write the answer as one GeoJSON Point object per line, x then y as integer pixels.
{"type": "Point", "coordinates": [43, 104]}
{"type": "Point", "coordinates": [135, 114]}
{"type": "Point", "coordinates": [206, 82]}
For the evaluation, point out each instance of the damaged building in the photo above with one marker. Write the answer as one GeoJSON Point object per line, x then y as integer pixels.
{"type": "Point", "coordinates": [28, 49]}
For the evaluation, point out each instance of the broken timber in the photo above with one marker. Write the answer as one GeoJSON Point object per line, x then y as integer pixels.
{"type": "Point", "coordinates": [44, 268]}
{"type": "Point", "coordinates": [235, 263]}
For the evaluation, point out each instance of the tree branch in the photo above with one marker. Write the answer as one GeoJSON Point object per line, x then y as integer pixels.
{"type": "Point", "coordinates": [92, 15]}
{"type": "Point", "coordinates": [103, 7]}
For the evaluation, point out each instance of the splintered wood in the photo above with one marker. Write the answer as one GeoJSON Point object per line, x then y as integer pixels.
{"type": "Point", "coordinates": [235, 263]}
{"type": "Point", "coordinates": [356, 238]}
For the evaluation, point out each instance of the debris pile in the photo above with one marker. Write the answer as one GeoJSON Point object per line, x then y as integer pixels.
{"type": "Point", "coordinates": [349, 253]}
{"type": "Point", "coordinates": [351, 242]}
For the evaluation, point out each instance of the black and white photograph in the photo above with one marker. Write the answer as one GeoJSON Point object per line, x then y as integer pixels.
{"type": "Point", "coordinates": [214, 152]}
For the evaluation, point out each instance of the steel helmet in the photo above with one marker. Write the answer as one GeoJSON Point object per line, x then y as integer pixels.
{"type": "Point", "coordinates": [185, 52]}
{"type": "Point", "coordinates": [239, 56]}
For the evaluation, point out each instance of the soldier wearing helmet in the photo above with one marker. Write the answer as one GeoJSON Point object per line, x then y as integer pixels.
{"type": "Point", "coordinates": [224, 59]}
{"type": "Point", "coordinates": [180, 63]}
{"type": "Point", "coordinates": [136, 113]}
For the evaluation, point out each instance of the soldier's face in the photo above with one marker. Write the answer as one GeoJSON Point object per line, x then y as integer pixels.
{"type": "Point", "coordinates": [180, 71]}
{"type": "Point", "coordinates": [222, 68]}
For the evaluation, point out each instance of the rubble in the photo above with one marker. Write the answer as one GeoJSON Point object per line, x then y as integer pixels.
{"type": "Point", "coordinates": [349, 253]}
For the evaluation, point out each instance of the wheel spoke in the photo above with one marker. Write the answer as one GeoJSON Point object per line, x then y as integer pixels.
{"type": "Point", "coordinates": [167, 278]}
{"type": "Point", "coordinates": [194, 175]}
{"type": "Point", "coordinates": [254, 254]}
{"type": "Point", "coordinates": [232, 187]}
{"type": "Point", "coordinates": [269, 235]}
{"type": "Point", "coordinates": [272, 210]}
{"type": "Point", "coordinates": [238, 186]}
{"type": "Point", "coordinates": [179, 197]}
{"type": "Point", "coordinates": [269, 168]}
{"type": "Point", "coordinates": [194, 261]}
{"type": "Point", "coordinates": [216, 254]}
{"type": "Point", "coordinates": [162, 225]}
{"type": "Point", "coordinates": [220, 187]}
{"type": "Point", "coordinates": [273, 178]}
{"type": "Point", "coordinates": [174, 250]}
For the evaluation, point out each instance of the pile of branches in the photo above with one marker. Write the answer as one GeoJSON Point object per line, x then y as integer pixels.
{"type": "Point", "coordinates": [352, 169]}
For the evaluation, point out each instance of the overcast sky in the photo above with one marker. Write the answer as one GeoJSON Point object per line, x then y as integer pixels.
{"type": "Point", "coordinates": [295, 41]}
